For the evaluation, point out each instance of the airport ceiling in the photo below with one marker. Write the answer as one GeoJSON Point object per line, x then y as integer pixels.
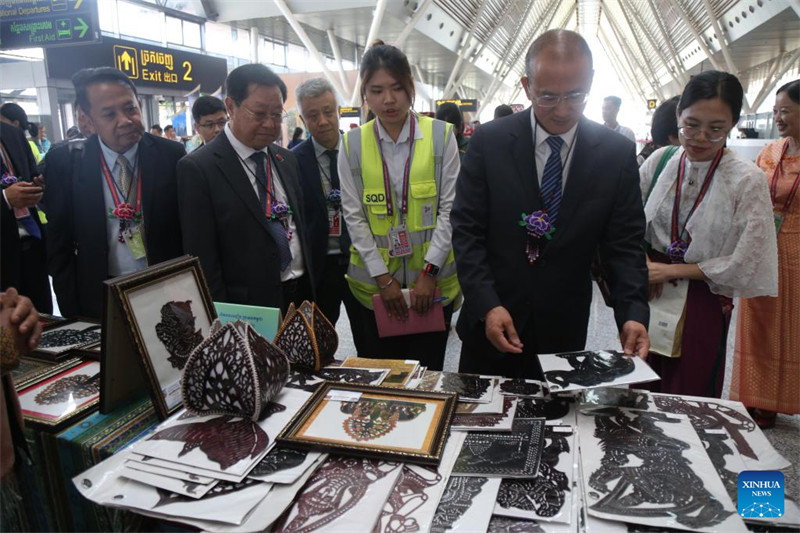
{"type": "Point", "coordinates": [476, 48]}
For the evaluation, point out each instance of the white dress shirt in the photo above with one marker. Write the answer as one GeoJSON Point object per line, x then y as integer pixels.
{"type": "Point", "coordinates": [295, 268]}
{"type": "Point", "coordinates": [324, 163]}
{"type": "Point", "coordinates": [542, 149]}
{"type": "Point", "coordinates": [396, 153]}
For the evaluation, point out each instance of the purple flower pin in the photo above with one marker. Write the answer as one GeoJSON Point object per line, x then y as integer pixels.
{"type": "Point", "coordinates": [8, 180]}
{"type": "Point", "coordinates": [537, 224]}
{"type": "Point", "coordinates": [280, 211]}
{"type": "Point", "coordinates": [677, 250]}
{"type": "Point", "coordinates": [335, 198]}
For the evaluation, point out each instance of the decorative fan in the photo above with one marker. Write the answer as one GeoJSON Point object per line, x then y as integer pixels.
{"type": "Point", "coordinates": [235, 371]}
{"type": "Point", "coordinates": [307, 337]}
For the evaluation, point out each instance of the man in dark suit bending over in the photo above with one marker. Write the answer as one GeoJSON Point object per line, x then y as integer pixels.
{"type": "Point", "coordinates": [241, 203]}
{"type": "Point", "coordinates": [111, 199]}
{"type": "Point", "coordinates": [527, 287]}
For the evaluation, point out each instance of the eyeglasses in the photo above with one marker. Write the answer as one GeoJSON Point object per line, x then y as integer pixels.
{"type": "Point", "coordinates": [714, 134]}
{"type": "Point", "coordinates": [220, 123]}
{"type": "Point", "coordinates": [262, 116]}
{"type": "Point", "coordinates": [551, 100]}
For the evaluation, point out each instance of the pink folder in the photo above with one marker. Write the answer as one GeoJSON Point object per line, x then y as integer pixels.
{"type": "Point", "coordinates": [433, 320]}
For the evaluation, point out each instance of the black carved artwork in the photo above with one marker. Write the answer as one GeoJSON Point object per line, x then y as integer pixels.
{"type": "Point", "coordinates": [456, 500]}
{"type": "Point", "coordinates": [615, 397]}
{"type": "Point", "coordinates": [514, 454]}
{"type": "Point", "coordinates": [553, 409]}
{"type": "Point", "coordinates": [408, 495]}
{"type": "Point", "coordinates": [502, 524]}
{"type": "Point", "coordinates": [279, 459]}
{"type": "Point", "coordinates": [70, 387]}
{"type": "Point", "coordinates": [299, 379]}
{"type": "Point", "coordinates": [546, 493]}
{"type": "Point", "coordinates": [484, 420]}
{"type": "Point", "coordinates": [467, 386]}
{"type": "Point", "coordinates": [176, 331]}
{"type": "Point", "coordinates": [643, 472]}
{"type": "Point", "coordinates": [225, 440]}
{"type": "Point", "coordinates": [521, 387]}
{"type": "Point", "coordinates": [63, 338]}
{"type": "Point", "coordinates": [222, 488]}
{"type": "Point", "coordinates": [370, 418]}
{"type": "Point", "coordinates": [590, 369]}
{"type": "Point", "coordinates": [716, 445]}
{"type": "Point", "coordinates": [360, 376]}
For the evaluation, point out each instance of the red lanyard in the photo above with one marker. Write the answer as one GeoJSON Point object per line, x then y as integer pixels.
{"type": "Point", "coordinates": [387, 186]}
{"type": "Point", "coordinates": [776, 176]}
{"type": "Point", "coordinates": [112, 186]}
{"type": "Point", "coordinates": [270, 192]}
{"type": "Point", "coordinates": [706, 184]}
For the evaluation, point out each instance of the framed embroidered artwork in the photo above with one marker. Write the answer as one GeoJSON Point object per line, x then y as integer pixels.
{"type": "Point", "coordinates": [61, 338]}
{"type": "Point", "coordinates": [390, 424]}
{"type": "Point", "coordinates": [32, 371]}
{"type": "Point", "coordinates": [154, 319]}
{"type": "Point", "coordinates": [62, 398]}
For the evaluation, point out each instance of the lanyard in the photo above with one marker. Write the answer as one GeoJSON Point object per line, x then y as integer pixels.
{"type": "Point", "coordinates": [269, 187]}
{"type": "Point", "coordinates": [776, 175]}
{"type": "Point", "coordinates": [706, 184]}
{"type": "Point", "coordinates": [387, 186]}
{"type": "Point", "coordinates": [112, 185]}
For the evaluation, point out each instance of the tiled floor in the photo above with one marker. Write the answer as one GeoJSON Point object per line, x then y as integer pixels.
{"type": "Point", "coordinates": [603, 335]}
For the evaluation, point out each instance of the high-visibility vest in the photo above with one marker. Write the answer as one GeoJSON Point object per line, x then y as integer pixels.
{"type": "Point", "coordinates": [364, 157]}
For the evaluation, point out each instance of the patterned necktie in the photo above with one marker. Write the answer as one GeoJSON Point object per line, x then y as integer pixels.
{"type": "Point", "coordinates": [125, 176]}
{"type": "Point", "coordinates": [550, 191]}
{"type": "Point", "coordinates": [333, 155]}
{"type": "Point", "coordinates": [276, 228]}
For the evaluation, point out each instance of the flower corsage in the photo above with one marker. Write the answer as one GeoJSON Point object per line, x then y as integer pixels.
{"type": "Point", "coordinates": [677, 250]}
{"type": "Point", "coordinates": [335, 198]}
{"type": "Point", "coordinates": [537, 225]}
{"type": "Point", "coordinates": [128, 217]}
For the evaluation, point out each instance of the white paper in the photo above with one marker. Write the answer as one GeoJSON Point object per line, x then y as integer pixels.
{"type": "Point", "coordinates": [665, 314]}
{"type": "Point", "coordinates": [561, 374]}
{"type": "Point", "coordinates": [178, 486]}
{"type": "Point", "coordinates": [168, 472]}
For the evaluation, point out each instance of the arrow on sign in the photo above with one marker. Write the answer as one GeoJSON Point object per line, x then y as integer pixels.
{"type": "Point", "coordinates": [125, 60]}
{"type": "Point", "coordinates": [77, 5]}
{"type": "Point", "coordinates": [81, 27]}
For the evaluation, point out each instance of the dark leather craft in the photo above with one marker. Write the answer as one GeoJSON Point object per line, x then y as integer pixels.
{"type": "Point", "coordinates": [307, 337]}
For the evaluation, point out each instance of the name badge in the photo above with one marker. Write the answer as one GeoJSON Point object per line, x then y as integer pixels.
{"type": "Point", "coordinates": [334, 222]}
{"type": "Point", "coordinates": [399, 243]}
{"type": "Point", "coordinates": [778, 222]}
{"type": "Point", "coordinates": [133, 238]}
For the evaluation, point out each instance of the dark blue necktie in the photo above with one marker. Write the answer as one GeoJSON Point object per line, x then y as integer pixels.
{"type": "Point", "coordinates": [333, 155]}
{"type": "Point", "coordinates": [276, 228]}
{"type": "Point", "coordinates": [550, 191]}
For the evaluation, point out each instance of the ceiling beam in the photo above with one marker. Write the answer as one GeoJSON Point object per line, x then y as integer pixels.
{"type": "Point", "coordinates": [210, 9]}
{"type": "Point", "coordinates": [683, 14]}
{"type": "Point", "coordinates": [681, 70]}
{"type": "Point", "coordinates": [774, 77]}
{"type": "Point", "coordinates": [462, 54]}
{"type": "Point", "coordinates": [337, 55]}
{"type": "Point", "coordinates": [634, 13]}
{"type": "Point", "coordinates": [401, 39]}
{"type": "Point", "coordinates": [633, 62]}
{"type": "Point", "coordinates": [655, 83]}
{"type": "Point", "coordinates": [726, 54]}
{"type": "Point", "coordinates": [623, 74]}
{"type": "Point", "coordinates": [380, 9]}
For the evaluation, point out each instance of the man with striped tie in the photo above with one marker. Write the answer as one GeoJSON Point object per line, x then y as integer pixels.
{"type": "Point", "coordinates": [539, 192]}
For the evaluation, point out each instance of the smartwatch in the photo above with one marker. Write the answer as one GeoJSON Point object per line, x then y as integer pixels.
{"type": "Point", "coordinates": [430, 270]}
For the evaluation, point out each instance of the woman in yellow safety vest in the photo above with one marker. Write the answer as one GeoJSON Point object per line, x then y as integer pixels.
{"type": "Point", "coordinates": [398, 174]}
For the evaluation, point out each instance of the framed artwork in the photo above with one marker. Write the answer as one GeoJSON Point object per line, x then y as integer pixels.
{"type": "Point", "coordinates": [61, 338]}
{"type": "Point", "coordinates": [64, 397]}
{"type": "Point", "coordinates": [93, 351]}
{"type": "Point", "coordinates": [32, 371]}
{"type": "Point", "coordinates": [389, 424]}
{"type": "Point", "coordinates": [46, 320]}
{"type": "Point", "coordinates": [166, 311]}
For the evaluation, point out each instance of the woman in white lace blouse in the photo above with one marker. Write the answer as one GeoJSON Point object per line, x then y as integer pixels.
{"type": "Point", "coordinates": [709, 221]}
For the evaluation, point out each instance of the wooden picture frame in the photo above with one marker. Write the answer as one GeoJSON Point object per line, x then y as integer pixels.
{"type": "Point", "coordinates": [366, 421]}
{"type": "Point", "coordinates": [62, 338]}
{"type": "Point", "coordinates": [147, 319]}
{"type": "Point", "coordinates": [31, 371]}
{"type": "Point", "coordinates": [62, 398]}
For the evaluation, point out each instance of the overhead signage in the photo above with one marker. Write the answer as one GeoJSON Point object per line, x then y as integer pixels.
{"type": "Point", "coordinates": [464, 105]}
{"type": "Point", "coordinates": [349, 111]}
{"type": "Point", "coordinates": [651, 104]}
{"type": "Point", "coordinates": [144, 64]}
{"type": "Point", "coordinates": [46, 23]}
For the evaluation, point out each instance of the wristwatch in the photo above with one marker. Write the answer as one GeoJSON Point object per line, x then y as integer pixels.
{"type": "Point", "coordinates": [430, 270]}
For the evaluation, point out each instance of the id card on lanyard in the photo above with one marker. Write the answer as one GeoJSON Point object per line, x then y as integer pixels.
{"type": "Point", "coordinates": [399, 241]}
{"type": "Point", "coordinates": [130, 219]}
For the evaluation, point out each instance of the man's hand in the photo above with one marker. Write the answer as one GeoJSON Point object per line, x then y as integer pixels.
{"type": "Point", "coordinates": [392, 297]}
{"type": "Point", "coordinates": [422, 293]}
{"type": "Point", "coordinates": [24, 316]}
{"type": "Point", "coordinates": [23, 194]}
{"type": "Point", "coordinates": [501, 332]}
{"type": "Point", "coordinates": [634, 339]}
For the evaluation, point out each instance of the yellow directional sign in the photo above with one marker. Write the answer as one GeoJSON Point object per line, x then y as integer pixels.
{"type": "Point", "coordinates": [125, 60]}
{"type": "Point", "coordinates": [651, 104]}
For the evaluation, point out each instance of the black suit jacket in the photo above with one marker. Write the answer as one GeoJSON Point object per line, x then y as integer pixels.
{"type": "Point", "coordinates": [78, 235]}
{"type": "Point", "coordinates": [601, 207]}
{"type": "Point", "coordinates": [315, 209]}
{"type": "Point", "coordinates": [224, 226]}
{"type": "Point", "coordinates": [24, 165]}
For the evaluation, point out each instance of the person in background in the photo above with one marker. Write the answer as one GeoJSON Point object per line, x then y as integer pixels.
{"type": "Point", "coordinates": [44, 143]}
{"type": "Point", "coordinates": [766, 365]}
{"type": "Point", "coordinates": [663, 129]}
{"type": "Point", "coordinates": [297, 138]}
{"type": "Point", "coordinates": [74, 132]}
{"type": "Point", "coordinates": [450, 112]}
{"type": "Point", "coordinates": [209, 117]}
{"type": "Point", "coordinates": [155, 129]}
{"type": "Point", "coordinates": [611, 105]}
{"type": "Point", "coordinates": [111, 200]}
{"type": "Point", "coordinates": [12, 113]}
{"type": "Point", "coordinates": [709, 221]}
{"type": "Point", "coordinates": [396, 200]}
{"type": "Point", "coordinates": [169, 132]}
{"type": "Point", "coordinates": [503, 110]}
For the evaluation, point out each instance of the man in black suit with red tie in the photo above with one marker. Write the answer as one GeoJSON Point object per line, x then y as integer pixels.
{"type": "Point", "coordinates": [539, 192]}
{"type": "Point", "coordinates": [241, 204]}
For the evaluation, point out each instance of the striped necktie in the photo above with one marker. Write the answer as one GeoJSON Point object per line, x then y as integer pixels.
{"type": "Point", "coordinates": [550, 191]}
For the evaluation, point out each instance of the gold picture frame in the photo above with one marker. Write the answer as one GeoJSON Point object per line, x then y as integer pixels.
{"type": "Point", "coordinates": [367, 421]}
{"type": "Point", "coordinates": [62, 398]}
{"type": "Point", "coordinates": [31, 371]}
